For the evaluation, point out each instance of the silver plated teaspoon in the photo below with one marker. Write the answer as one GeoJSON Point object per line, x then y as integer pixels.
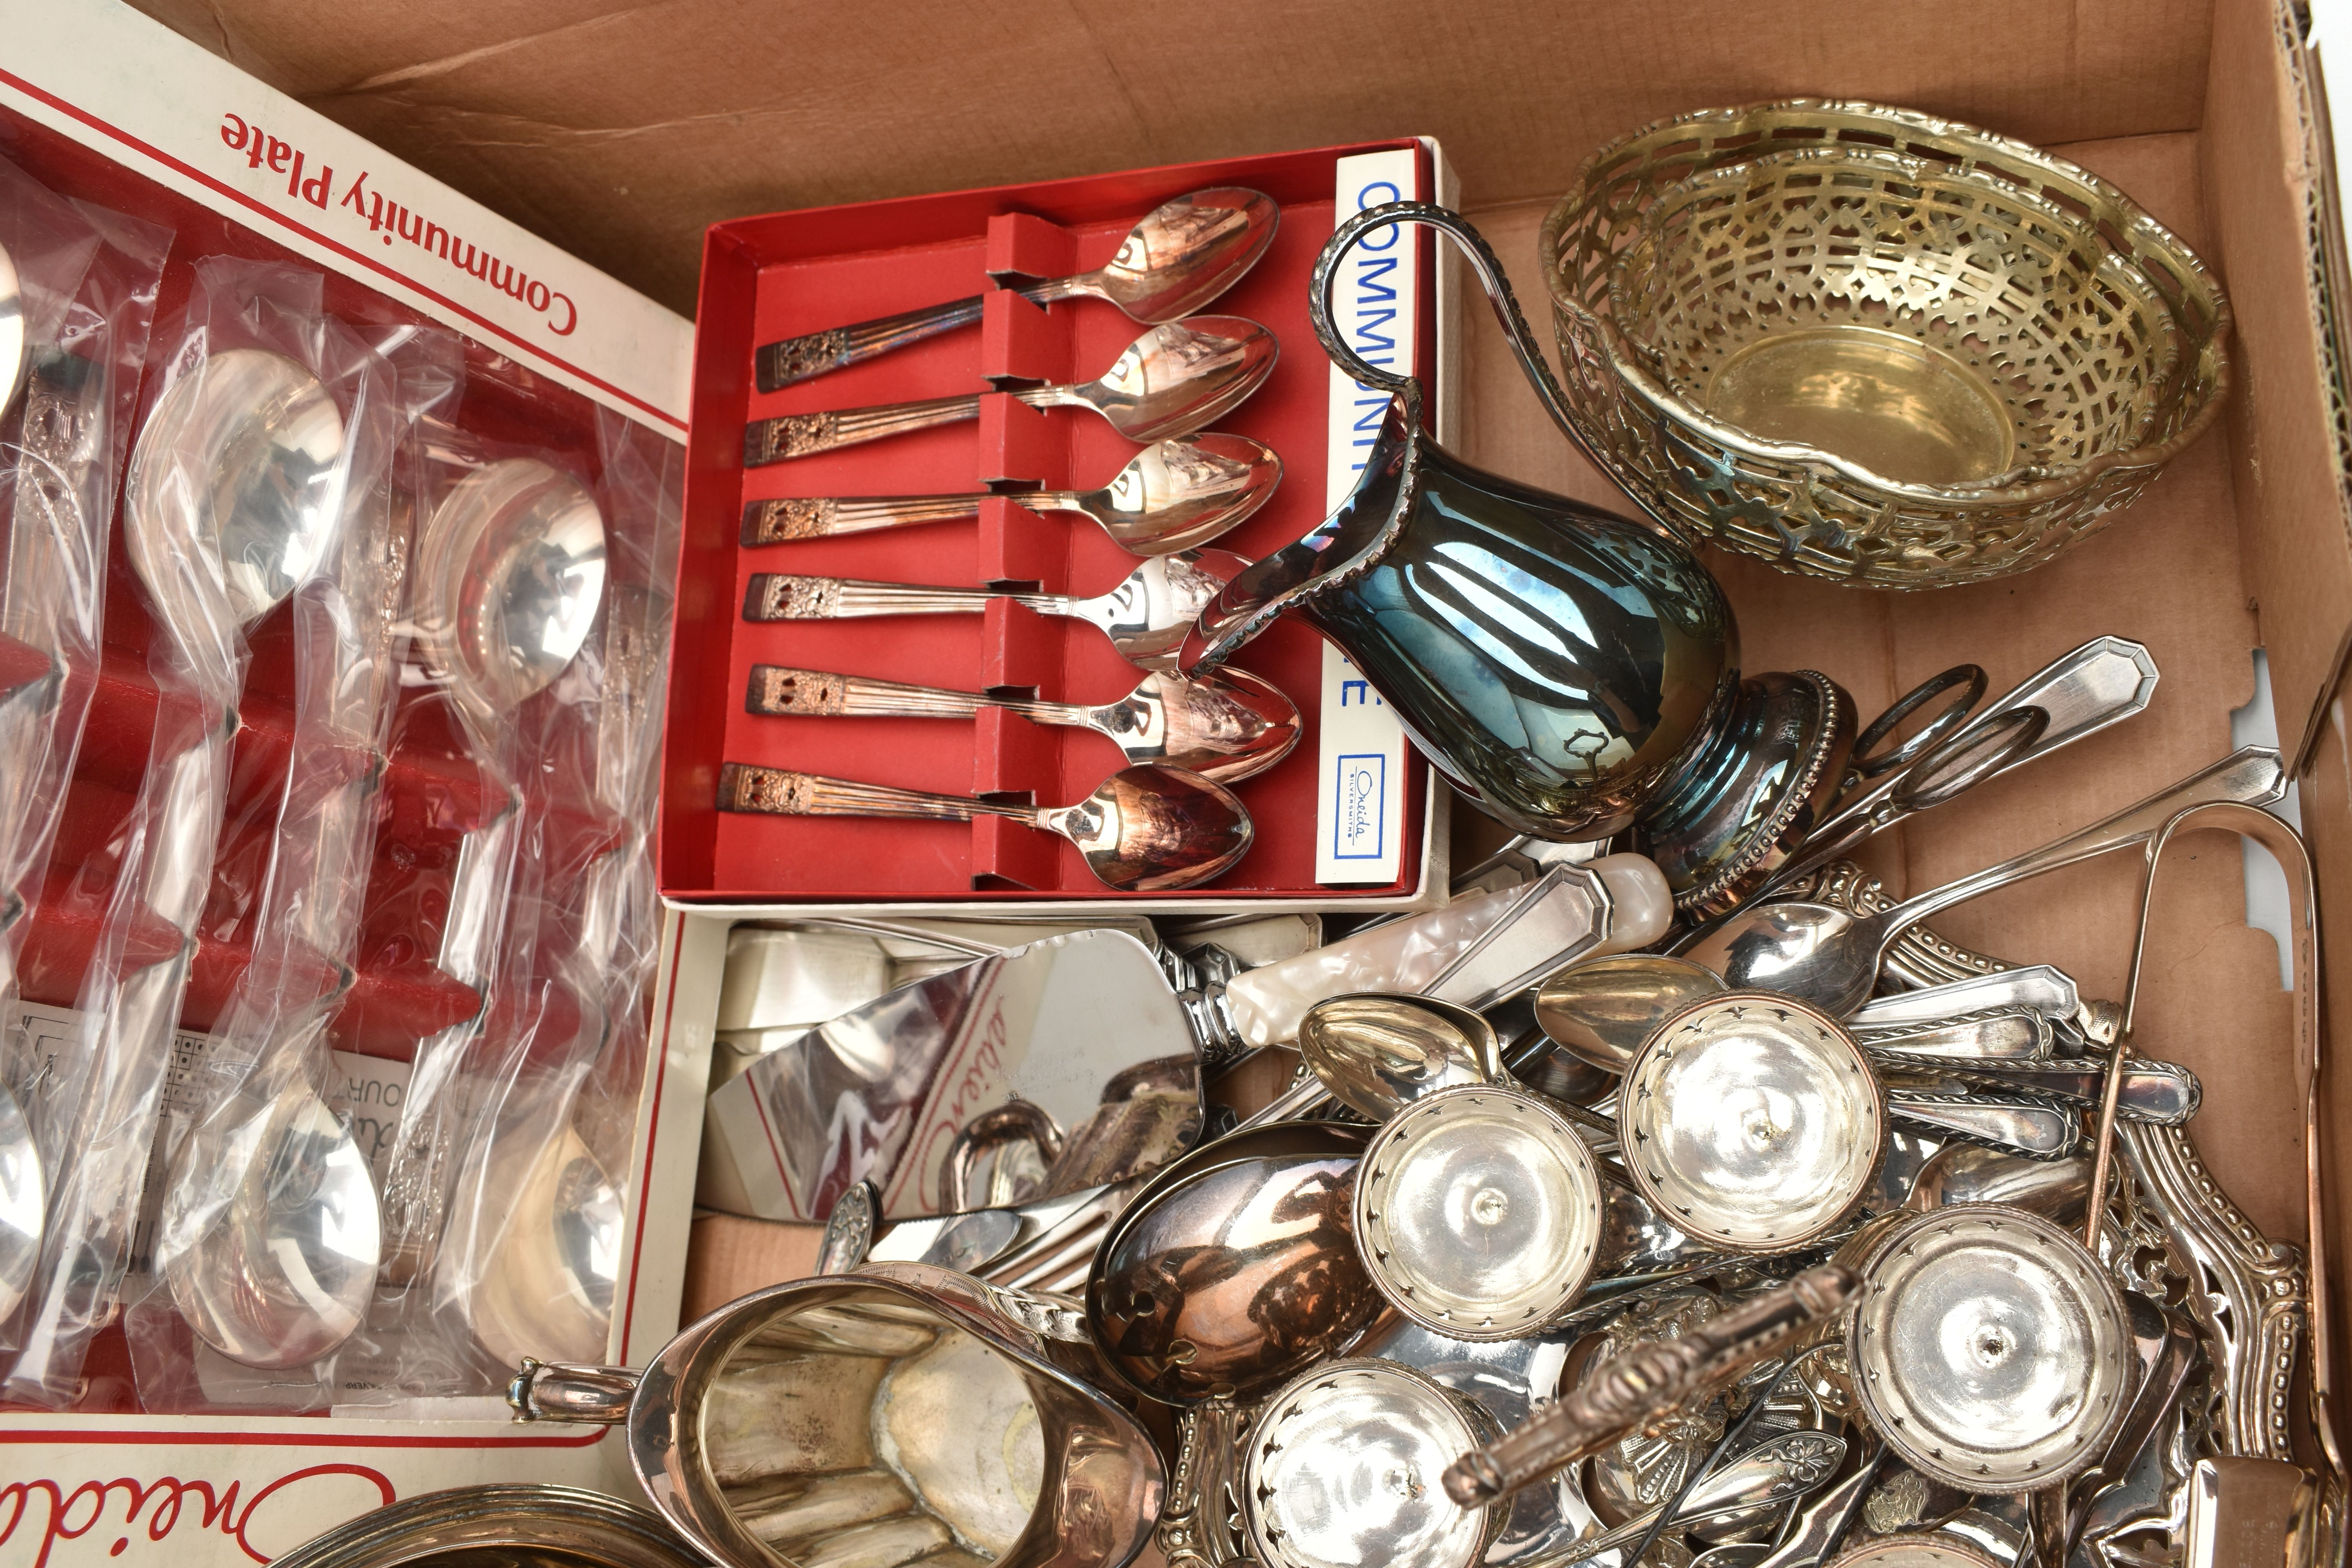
{"type": "Point", "coordinates": [1146, 617]}
{"type": "Point", "coordinates": [1172, 381]}
{"type": "Point", "coordinates": [1144, 830]}
{"type": "Point", "coordinates": [1228, 726]}
{"type": "Point", "coordinates": [1172, 496]}
{"type": "Point", "coordinates": [1183, 254]}
{"type": "Point", "coordinates": [1829, 956]}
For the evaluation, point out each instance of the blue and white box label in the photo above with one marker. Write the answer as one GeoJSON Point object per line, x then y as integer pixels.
{"type": "Point", "coordinates": [1359, 802]}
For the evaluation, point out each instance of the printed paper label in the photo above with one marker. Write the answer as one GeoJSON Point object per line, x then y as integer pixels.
{"type": "Point", "coordinates": [1359, 800]}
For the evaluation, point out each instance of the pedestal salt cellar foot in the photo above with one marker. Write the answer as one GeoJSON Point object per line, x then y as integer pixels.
{"type": "Point", "coordinates": [897, 1414]}
{"type": "Point", "coordinates": [1575, 672]}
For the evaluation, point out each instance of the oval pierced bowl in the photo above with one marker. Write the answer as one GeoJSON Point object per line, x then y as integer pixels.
{"type": "Point", "coordinates": [1867, 344]}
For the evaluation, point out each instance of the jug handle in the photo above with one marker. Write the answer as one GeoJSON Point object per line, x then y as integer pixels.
{"type": "Point", "coordinates": [1483, 261]}
{"type": "Point", "coordinates": [557, 1391]}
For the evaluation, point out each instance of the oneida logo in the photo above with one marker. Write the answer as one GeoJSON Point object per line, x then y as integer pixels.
{"type": "Point", "coordinates": [190, 1524]}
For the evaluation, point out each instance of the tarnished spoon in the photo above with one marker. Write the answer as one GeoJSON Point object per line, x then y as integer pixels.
{"type": "Point", "coordinates": [1172, 381]}
{"type": "Point", "coordinates": [1829, 956]}
{"type": "Point", "coordinates": [1144, 830]}
{"type": "Point", "coordinates": [1226, 726]}
{"type": "Point", "coordinates": [1146, 617]}
{"type": "Point", "coordinates": [1236, 1267]}
{"type": "Point", "coordinates": [1602, 1010]}
{"type": "Point", "coordinates": [1183, 254]}
{"type": "Point", "coordinates": [1377, 1053]}
{"type": "Point", "coordinates": [1172, 496]}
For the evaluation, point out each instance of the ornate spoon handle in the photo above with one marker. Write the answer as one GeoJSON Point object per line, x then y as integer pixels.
{"type": "Point", "coordinates": [781, 691]}
{"type": "Point", "coordinates": [779, 596]}
{"type": "Point", "coordinates": [1645, 1382]}
{"type": "Point", "coordinates": [800, 434]}
{"type": "Point", "coordinates": [782, 521]}
{"type": "Point", "coordinates": [779, 365]}
{"type": "Point", "coordinates": [778, 793]}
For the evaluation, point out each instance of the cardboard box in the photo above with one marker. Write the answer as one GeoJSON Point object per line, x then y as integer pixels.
{"type": "Point", "coordinates": [623, 136]}
{"type": "Point", "coordinates": [111, 107]}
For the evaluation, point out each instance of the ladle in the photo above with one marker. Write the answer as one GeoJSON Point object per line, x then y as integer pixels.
{"type": "Point", "coordinates": [1146, 617]}
{"type": "Point", "coordinates": [1172, 381]}
{"type": "Point", "coordinates": [1172, 496]}
{"type": "Point", "coordinates": [1183, 254]}
{"type": "Point", "coordinates": [1235, 1269]}
{"type": "Point", "coordinates": [1829, 956]}
{"type": "Point", "coordinates": [510, 578]}
{"type": "Point", "coordinates": [1228, 726]}
{"type": "Point", "coordinates": [1144, 830]}
{"type": "Point", "coordinates": [234, 492]}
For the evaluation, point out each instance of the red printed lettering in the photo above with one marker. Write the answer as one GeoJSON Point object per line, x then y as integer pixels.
{"type": "Point", "coordinates": [157, 1509]}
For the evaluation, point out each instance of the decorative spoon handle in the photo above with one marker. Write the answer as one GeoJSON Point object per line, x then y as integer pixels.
{"type": "Point", "coordinates": [779, 365]}
{"type": "Point", "coordinates": [778, 793]}
{"type": "Point", "coordinates": [780, 691]}
{"type": "Point", "coordinates": [801, 435]}
{"type": "Point", "coordinates": [1645, 1382]}
{"type": "Point", "coordinates": [779, 596]}
{"type": "Point", "coordinates": [782, 521]}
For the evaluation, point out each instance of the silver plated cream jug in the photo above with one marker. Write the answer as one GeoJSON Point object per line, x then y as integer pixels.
{"type": "Point", "coordinates": [1575, 672]}
{"type": "Point", "coordinates": [900, 1414]}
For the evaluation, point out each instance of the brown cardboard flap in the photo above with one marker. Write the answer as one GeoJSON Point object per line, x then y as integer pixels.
{"type": "Point", "coordinates": [620, 132]}
{"type": "Point", "coordinates": [2262, 166]}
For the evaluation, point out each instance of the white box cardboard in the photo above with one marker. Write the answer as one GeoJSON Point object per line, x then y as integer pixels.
{"type": "Point", "coordinates": [225, 1493]}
